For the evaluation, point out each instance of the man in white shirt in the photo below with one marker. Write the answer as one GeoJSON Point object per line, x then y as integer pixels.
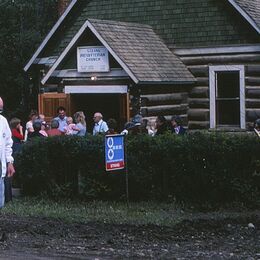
{"type": "Point", "coordinates": [6, 159]}
{"type": "Point", "coordinates": [100, 125]}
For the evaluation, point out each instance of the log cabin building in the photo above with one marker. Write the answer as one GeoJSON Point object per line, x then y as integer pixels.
{"type": "Point", "coordinates": [199, 59]}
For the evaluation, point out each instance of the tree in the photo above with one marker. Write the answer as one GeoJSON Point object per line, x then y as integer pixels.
{"type": "Point", "coordinates": [23, 25]}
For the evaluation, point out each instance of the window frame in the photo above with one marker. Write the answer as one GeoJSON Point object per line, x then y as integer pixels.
{"type": "Point", "coordinates": [212, 90]}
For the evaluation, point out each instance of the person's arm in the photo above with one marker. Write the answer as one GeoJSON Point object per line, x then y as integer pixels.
{"type": "Point", "coordinates": [29, 127]}
{"type": "Point", "coordinates": [105, 127]}
{"type": "Point", "coordinates": [8, 150]}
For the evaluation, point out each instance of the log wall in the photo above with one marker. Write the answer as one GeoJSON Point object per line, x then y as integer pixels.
{"type": "Point", "coordinates": [198, 97]}
{"type": "Point", "coordinates": [166, 101]}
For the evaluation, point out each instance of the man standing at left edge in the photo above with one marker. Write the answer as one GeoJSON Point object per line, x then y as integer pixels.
{"type": "Point", "coordinates": [6, 159]}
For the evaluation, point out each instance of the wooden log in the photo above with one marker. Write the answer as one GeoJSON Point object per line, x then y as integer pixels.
{"type": "Point", "coordinates": [252, 114]}
{"type": "Point", "coordinates": [202, 81]}
{"type": "Point", "coordinates": [199, 92]}
{"type": "Point", "coordinates": [164, 99]}
{"type": "Point", "coordinates": [198, 102]}
{"type": "Point", "coordinates": [199, 70]}
{"type": "Point", "coordinates": [252, 70]}
{"type": "Point", "coordinates": [163, 89]}
{"type": "Point", "coordinates": [253, 103]}
{"type": "Point", "coordinates": [253, 92]}
{"type": "Point", "coordinates": [164, 110]}
{"type": "Point", "coordinates": [252, 81]}
{"type": "Point", "coordinates": [221, 59]}
{"type": "Point", "coordinates": [198, 114]}
{"type": "Point", "coordinates": [198, 125]}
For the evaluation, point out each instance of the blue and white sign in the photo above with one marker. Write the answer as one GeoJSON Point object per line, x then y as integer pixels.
{"type": "Point", "coordinates": [114, 152]}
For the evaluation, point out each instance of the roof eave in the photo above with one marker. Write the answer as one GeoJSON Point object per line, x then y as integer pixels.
{"type": "Point", "coordinates": [173, 82]}
{"type": "Point", "coordinates": [50, 34]}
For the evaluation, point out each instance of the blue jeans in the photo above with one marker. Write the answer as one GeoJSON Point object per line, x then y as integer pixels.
{"type": "Point", "coordinates": [2, 192]}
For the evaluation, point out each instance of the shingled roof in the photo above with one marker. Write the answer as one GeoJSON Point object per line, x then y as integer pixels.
{"type": "Point", "coordinates": [250, 9]}
{"type": "Point", "coordinates": [138, 49]}
{"type": "Point", "coordinates": [180, 24]}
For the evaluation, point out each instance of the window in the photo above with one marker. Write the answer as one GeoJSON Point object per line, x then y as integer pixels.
{"type": "Point", "coordinates": [227, 96]}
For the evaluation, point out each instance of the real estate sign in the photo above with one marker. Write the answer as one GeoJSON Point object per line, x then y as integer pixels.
{"type": "Point", "coordinates": [92, 59]}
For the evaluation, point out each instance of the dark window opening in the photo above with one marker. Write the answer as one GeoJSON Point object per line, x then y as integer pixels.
{"type": "Point", "coordinates": [228, 98]}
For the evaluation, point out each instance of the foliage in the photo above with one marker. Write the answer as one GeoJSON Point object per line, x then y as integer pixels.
{"type": "Point", "coordinates": [197, 167]}
{"type": "Point", "coordinates": [23, 24]}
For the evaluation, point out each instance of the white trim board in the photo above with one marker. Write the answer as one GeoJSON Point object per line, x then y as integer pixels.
{"type": "Point", "coordinates": [212, 90]}
{"type": "Point", "coordinates": [96, 89]}
{"type": "Point", "coordinates": [86, 25]}
{"type": "Point", "coordinates": [217, 50]}
{"type": "Point", "coordinates": [50, 34]}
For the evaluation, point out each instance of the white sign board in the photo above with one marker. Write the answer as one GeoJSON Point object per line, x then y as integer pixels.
{"type": "Point", "coordinates": [92, 59]}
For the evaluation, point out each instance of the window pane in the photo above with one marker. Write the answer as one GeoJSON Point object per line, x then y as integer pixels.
{"type": "Point", "coordinates": [228, 112]}
{"type": "Point", "coordinates": [227, 84]}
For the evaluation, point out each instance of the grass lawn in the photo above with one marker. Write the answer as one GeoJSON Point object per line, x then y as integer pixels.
{"type": "Point", "coordinates": [105, 212]}
{"type": "Point", "coordinates": [145, 213]}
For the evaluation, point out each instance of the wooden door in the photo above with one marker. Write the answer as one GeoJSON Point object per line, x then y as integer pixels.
{"type": "Point", "coordinates": [124, 109]}
{"type": "Point", "coordinates": [49, 102]}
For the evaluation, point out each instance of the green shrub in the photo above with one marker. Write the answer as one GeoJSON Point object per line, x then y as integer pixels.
{"type": "Point", "coordinates": [199, 167]}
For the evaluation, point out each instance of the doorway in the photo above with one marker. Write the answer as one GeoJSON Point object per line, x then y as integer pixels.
{"type": "Point", "coordinates": [109, 105]}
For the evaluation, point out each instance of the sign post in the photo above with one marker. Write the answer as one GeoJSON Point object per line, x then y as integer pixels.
{"type": "Point", "coordinates": [115, 157]}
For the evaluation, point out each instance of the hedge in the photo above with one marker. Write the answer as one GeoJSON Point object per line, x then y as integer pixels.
{"type": "Point", "coordinates": [201, 167]}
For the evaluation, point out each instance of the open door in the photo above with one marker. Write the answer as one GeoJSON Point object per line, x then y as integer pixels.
{"type": "Point", "coordinates": [49, 102]}
{"type": "Point", "coordinates": [124, 109]}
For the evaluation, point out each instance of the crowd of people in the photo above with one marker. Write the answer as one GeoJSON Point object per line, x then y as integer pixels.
{"type": "Point", "coordinates": [76, 125]}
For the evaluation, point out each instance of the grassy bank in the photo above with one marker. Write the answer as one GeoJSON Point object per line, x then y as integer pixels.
{"type": "Point", "coordinates": [105, 212]}
{"type": "Point", "coordinates": [148, 213]}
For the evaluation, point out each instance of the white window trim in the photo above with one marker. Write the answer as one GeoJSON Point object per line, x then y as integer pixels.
{"type": "Point", "coordinates": [212, 90]}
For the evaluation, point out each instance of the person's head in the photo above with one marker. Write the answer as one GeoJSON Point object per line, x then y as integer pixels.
{"type": "Point", "coordinates": [15, 123]}
{"type": "Point", "coordinates": [129, 125]}
{"type": "Point", "coordinates": [69, 120]}
{"type": "Point", "coordinates": [37, 125]}
{"type": "Point", "coordinates": [97, 117]}
{"type": "Point", "coordinates": [33, 115]}
{"type": "Point", "coordinates": [137, 120]}
{"type": "Point", "coordinates": [61, 111]}
{"type": "Point", "coordinates": [80, 117]}
{"type": "Point", "coordinates": [112, 124]}
{"type": "Point", "coordinates": [54, 124]}
{"type": "Point", "coordinates": [41, 117]}
{"type": "Point", "coordinates": [175, 121]}
{"type": "Point", "coordinates": [44, 125]}
{"type": "Point", "coordinates": [160, 120]}
{"type": "Point", "coordinates": [1, 105]}
{"type": "Point", "coordinates": [257, 124]}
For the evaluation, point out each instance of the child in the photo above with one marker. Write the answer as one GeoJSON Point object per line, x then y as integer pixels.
{"type": "Point", "coordinates": [70, 126]}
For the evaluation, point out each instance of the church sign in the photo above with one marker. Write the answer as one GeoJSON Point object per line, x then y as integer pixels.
{"type": "Point", "coordinates": [92, 59]}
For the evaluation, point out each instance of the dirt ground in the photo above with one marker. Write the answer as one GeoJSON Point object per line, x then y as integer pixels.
{"type": "Point", "coordinates": [201, 237]}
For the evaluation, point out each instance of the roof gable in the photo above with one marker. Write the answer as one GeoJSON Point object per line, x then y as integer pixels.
{"type": "Point", "coordinates": [139, 51]}
{"type": "Point", "coordinates": [250, 10]}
